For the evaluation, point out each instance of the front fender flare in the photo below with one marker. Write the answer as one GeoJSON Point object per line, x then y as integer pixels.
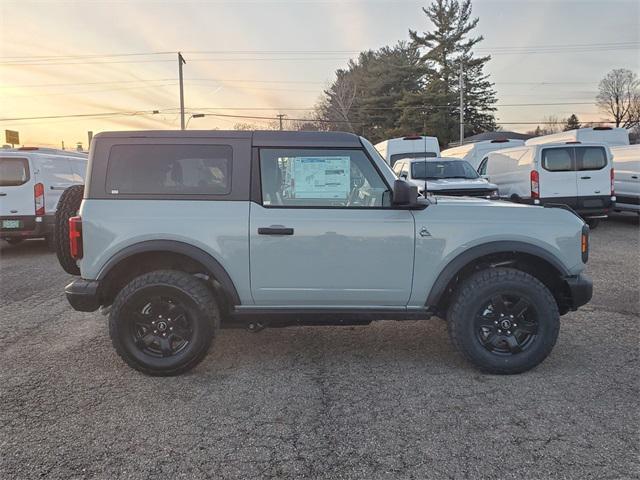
{"type": "Point", "coordinates": [449, 272]}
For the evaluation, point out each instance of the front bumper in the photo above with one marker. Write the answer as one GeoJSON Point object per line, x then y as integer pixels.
{"type": "Point", "coordinates": [82, 295]}
{"type": "Point", "coordinates": [581, 290]}
{"type": "Point", "coordinates": [32, 226]}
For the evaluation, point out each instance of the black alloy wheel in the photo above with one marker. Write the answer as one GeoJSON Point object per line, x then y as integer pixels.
{"type": "Point", "coordinates": [507, 324]}
{"type": "Point", "coordinates": [161, 326]}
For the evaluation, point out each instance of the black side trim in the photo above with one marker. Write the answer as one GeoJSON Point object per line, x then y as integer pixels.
{"type": "Point", "coordinates": [282, 317]}
{"type": "Point", "coordinates": [182, 248]}
{"type": "Point", "coordinates": [451, 270]}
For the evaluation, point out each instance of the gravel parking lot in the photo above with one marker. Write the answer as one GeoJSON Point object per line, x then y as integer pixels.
{"type": "Point", "coordinates": [390, 400]}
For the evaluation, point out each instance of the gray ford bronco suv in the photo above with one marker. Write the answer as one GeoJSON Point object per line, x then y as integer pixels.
{"type": "Point", "coordinates": [178, 234]}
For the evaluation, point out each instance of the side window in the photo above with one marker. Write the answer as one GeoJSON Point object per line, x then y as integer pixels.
{"type": "Point", "coordinates": [558, 159]}
{"type": "Point", "coordinates": [320, 178]}
{"type": "Point", "coordinates": [482, 169]}
{"type": "Point", "coordinates": [590, 158]}
{"type": "Point", "coordinates": [169, 169]}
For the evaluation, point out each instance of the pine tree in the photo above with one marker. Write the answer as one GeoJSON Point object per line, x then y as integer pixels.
{"type": "Point", "coordinates": [572, 123]}
{"type": "Point", "coordinates": [445, 49]}
{"type": "Point", "coordinates": [365, 97]}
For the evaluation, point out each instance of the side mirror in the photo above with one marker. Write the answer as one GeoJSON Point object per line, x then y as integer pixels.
{"type": "Point", "coordinates": [404, 194]}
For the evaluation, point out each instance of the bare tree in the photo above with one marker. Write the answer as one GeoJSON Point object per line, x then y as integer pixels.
{"type": "Point", "coordinates": [619, 96]}
{"type": "Point", "coordinates": [338, 102]}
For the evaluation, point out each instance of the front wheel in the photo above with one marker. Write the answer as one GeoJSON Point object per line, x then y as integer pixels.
{"type": "Point", "coordinates": [504, 321]}
{"type": "Point", "coordinates": [162, 323]}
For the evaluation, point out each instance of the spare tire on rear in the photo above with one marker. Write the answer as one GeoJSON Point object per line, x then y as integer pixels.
{"type": "Point", "coordinates": [68, 207]}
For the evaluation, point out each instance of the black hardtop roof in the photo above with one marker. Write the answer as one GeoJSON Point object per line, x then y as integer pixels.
{"type": "Point", "coordinates": [259, 138]}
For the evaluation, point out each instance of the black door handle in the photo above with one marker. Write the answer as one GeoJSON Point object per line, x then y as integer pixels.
{"type": "Point", "coordinates": [585, 178]}
{"type": "Point", "coordinates": [275, 231]}
{"type": "Point", "coordinates": [635, 177]}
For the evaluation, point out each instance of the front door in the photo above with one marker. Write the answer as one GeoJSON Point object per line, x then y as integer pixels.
{"type": "Point", "coordinates": [324, 233]}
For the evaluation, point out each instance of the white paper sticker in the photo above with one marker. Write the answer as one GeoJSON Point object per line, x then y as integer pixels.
{"type": "Point", "coordinates": [321, 177]}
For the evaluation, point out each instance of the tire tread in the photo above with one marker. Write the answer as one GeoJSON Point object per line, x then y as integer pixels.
{"type": "Point", "coordinates": [187, 283]}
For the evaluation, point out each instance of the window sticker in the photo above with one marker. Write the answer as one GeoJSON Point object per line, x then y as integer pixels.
{"type": "Point", "coordinates": [321, 177]}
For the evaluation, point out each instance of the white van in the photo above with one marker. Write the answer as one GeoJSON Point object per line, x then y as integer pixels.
{"type": "Point", "coordinates": [607, 135]}
{"type": "Point", "coordinates": [475, 152]}
{"type": "Point", "coordinates": [31, 182]}
{"type": "Point", "coordinates": [579, 175]}
{"type": "Point", "coordinates": [408, 147]}
{"type": "Point", "coordinates": [626, 161]}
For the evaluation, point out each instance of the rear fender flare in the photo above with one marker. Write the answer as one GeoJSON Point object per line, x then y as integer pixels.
{"type": "Point", "coordinates": [195, 253]}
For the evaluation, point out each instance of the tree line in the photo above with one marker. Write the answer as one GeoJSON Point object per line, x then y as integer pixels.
{"type": "Point", "coordinates": [414, 86]}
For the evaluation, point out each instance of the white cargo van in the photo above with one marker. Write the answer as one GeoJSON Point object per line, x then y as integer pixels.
{"type": "Point", "coordinates": [408, 147]}
{"type": "Point", "coordinates": [31, 182]}
{"type": "Point", "coordinates": [607, 135]}
{"type": "Point", "coordinates": [579, 175]}
{"type": "Point", "coordinates": [626, 161]}
{"type": "Point", "coordinates": [475, 152]}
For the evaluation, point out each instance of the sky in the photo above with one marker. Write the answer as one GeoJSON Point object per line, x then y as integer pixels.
{"type": "Point", "coordinates": [269, 57]}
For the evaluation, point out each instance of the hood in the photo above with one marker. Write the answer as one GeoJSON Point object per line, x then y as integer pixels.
{"type": "Point", "coordinates": [455, 184]}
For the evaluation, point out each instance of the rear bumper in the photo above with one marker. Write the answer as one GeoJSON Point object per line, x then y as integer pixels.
{"type": "Point", "coordinates": [581, 290]}
{"type": "Point", "coordinates": [592, 206]}
{"type": "Point", "coordinates": [31, 226]}
{"type": "Point", "coordinates": [82, 295]}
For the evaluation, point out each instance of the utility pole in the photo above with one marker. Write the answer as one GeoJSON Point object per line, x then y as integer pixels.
{"type": "Point", "coordinates": [181, 61]}
{"type": "Point", "coordinates": [461, 86]}
{"type": "Point", "coordinates": [280, 116]}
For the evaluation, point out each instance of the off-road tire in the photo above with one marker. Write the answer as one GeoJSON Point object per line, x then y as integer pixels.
{"type": "Point", "coordinates": [480, 287]}
{"type": "Point", "coordinates": [205, 315]}
{"type": "Point", "coordinates": [68, 207]}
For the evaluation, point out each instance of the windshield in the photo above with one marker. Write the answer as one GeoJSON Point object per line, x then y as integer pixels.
{"type": "Point", "coordinates": [13, 171]}
{"type": "Point", "coordinates": [433, 170]}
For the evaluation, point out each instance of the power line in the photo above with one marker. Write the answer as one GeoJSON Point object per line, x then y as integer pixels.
{"type": "Point", "coordinates": [270, 109]}
{"type": "Point", "coordinates": [501, 48]}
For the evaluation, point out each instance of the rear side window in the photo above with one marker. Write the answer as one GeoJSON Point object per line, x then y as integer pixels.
{"type": "Point", "coordinates": [591, 158]}
{"type": "Point", "coordinates": [169, 170]}
{"type": "Point", "coordinates": [557, 159]}
{"type": "Point", "coordinates": [13, 171]}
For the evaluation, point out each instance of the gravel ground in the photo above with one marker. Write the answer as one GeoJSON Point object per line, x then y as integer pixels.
{"type": "Point", "coordinates": [390, 400]}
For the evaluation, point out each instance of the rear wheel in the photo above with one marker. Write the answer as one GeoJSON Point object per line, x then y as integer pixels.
{"type": "Point", "coordinates": [68, 207]}
{"type": "Point", "coordinates": [504, 321]}
{"type": "Point", "coordinates": [162, 323]}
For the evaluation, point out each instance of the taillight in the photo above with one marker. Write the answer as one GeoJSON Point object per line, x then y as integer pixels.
{"type": "Point", "coordinates": [613, 184]}
{"type": "Point", "coordinates": [584, 243]}
{"type": "Point", "coordinates": [535, 184]}
{"type": "Point", "coordinates": [75, 237]}
{"type": "Point", "coordinates": [38, 195]}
